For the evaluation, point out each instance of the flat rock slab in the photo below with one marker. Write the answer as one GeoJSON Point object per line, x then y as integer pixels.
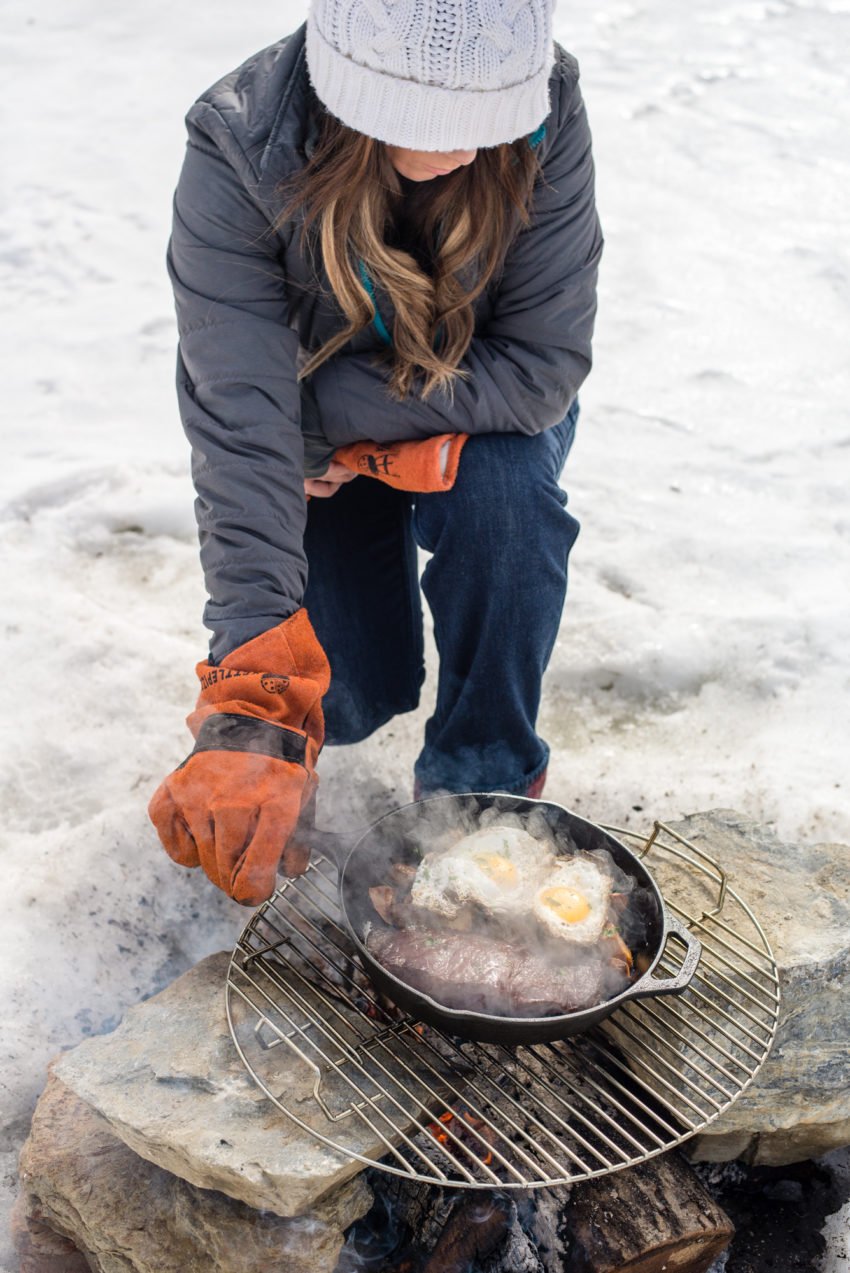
{"type": "Point", "coordinates": [171, 1085]}
{"type": "Point", "coordinates": [129, 1216]}
{"type": "Point", "coordinates": [799, 1103]}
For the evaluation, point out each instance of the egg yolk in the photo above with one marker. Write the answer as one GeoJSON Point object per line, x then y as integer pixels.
{"type": "Point", "coordinates": [569, 904]}
{"type": "Point", "coordinates": [500, 870]}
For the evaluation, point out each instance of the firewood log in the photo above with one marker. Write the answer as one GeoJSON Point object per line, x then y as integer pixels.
{"type": "Point", "coordinates": [645, 1219]}
{"type": "Point", "coordinates": [655, 1217]}
{"type": "Point", "coordinates": [474, 1230]}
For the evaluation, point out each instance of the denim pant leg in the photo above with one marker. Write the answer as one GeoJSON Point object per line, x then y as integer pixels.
{"type": "Point", "coordinates": [496, 585]}
{"type": "Point", "coordinates": [364, 602]}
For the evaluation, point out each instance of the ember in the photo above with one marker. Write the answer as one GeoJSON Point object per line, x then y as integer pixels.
{"type": "Point", "coordinates": [471, 1132]}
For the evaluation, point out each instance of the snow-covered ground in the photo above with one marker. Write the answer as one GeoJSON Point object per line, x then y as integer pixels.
{"type": "Point", "coordinates": [705, 647]}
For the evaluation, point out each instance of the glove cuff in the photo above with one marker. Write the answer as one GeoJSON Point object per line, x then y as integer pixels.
{"type": "Point", "coordinates": [456, 445]}
{"type": "Point", "coordinates": [408, 466]}
{"type": "Point", "coordinates": [226, 731]}
{"type": "Point", "coordinates": [291, 647]}
{"type": "Point", "coordinates": [279, 677]}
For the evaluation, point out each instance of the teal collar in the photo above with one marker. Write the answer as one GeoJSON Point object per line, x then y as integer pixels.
{"type": "Point", "coordinates": [370, 288]}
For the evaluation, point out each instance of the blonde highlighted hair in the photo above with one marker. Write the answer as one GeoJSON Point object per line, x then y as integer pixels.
{"type": "Point", "coordinates": [349, 192]}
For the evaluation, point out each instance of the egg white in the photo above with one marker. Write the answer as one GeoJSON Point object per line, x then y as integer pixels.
{"type": "Point", "coordinates": [584, 890]}
{"type": "Point", "coordinates": [498, 868]}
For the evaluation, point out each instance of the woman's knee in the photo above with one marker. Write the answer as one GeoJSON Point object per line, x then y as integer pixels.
{"type": "Point", "coordinates": [507, 491]}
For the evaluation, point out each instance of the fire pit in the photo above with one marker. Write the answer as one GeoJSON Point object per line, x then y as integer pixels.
{"type": "Point", "coordinates": [449, 1112]}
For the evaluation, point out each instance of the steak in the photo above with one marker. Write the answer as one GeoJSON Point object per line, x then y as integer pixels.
{"type": "Point", "coordinates": [480, 974]}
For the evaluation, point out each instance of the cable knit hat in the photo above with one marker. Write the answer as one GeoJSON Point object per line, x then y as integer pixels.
{"type": "Point", "coordinates": [433, 74]}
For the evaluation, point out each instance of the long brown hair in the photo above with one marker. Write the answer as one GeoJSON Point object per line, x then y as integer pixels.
{"type": "Point", "coordinates": [348, 193]}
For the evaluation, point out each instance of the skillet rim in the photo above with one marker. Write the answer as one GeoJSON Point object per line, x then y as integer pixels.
{"type": "Point", "coordinates": [597, 1011]}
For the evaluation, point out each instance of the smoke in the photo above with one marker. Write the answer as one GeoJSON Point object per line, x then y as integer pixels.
{"type": "Point", "coordinates": [445, 817]}
{"type": "Point", "coordinates": [378, 1240]}
{"type": "Point", "coordinates": [422, 1229]}
{"type": "Point", "coordinates": [625, 910]}
{"type": "Point", "coordinates": [432, 1229]}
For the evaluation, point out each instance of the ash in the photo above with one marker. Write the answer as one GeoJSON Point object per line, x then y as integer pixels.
{"type": "Point", "coordinates": [424, 1229]}
{"type": "Point", "coordinates": [780, 1214]}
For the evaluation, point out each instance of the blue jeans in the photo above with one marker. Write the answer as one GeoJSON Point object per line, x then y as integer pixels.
{"type": "Point", "coordinates": [495, 583]}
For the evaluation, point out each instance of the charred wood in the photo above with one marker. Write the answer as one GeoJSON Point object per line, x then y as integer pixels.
{"type": "Point", "coordinates": [476, 1228]}
{"type": "Point", "coordinates": [655, 1216]}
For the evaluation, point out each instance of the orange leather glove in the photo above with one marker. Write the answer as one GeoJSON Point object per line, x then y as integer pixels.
{"type": "Point", "coordinates": [408, 466]}
{"type": "Point", "coordinates": [234, 802]}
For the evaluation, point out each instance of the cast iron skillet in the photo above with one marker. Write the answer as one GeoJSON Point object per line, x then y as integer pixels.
{"type": "Point", "coordinates": [393, 838]}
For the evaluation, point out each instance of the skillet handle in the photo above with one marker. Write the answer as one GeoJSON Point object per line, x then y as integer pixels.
{"type": "Point", "coordinates": [649, 984]}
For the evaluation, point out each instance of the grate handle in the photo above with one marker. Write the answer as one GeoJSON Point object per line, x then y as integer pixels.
{"type": "Point", "coordinates": [649, 984]}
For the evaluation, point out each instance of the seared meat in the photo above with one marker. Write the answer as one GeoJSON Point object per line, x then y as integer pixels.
{"type": "Point", "coordinates": [479, 974]}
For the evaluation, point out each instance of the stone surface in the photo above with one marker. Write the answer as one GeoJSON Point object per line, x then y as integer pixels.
{"type": "Point", "coordinates": [130, 1216]}
{"type": "Point", "coordinates": [39, 1248]}
{"type": "Point", "coordinates": [798, 1106]}
{"type": "Point", "coordinates": [170, 1083]}
{"type": "Point", "coordinates": [172, 1086]}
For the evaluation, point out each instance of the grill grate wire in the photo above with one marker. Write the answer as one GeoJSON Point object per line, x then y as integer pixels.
{"type": "Point", "coordinates": [423, 1104]}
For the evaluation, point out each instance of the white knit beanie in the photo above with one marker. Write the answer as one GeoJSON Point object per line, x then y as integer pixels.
{"type": "Point", "coordinates": [433, 74]}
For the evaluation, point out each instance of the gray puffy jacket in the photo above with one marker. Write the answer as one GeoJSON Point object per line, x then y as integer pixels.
{"type": "Point", "coordinates": [249, 307]}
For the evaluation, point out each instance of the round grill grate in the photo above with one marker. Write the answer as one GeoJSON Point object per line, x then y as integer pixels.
{"type": "Point", "coordinates": [380, 1088]}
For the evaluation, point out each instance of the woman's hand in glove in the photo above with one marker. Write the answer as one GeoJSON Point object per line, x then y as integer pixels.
{"type": "Point", "coordinates": [233, 804]}
{"type": "Point", "coordinates": [329, 483]}
{"type": "Point", "coordinates": [427, 466]}
{"type": "Point", "coordinates": [233, 812]}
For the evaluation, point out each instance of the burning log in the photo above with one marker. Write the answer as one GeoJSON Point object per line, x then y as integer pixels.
{"type": "Point", "coordinates": [476, 1228]}
{"type": "Point", "coordinates": [441, 1230]}
{"type": "Point", "coordinates": [655, 1216]}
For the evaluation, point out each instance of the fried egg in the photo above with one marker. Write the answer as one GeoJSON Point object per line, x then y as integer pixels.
{"type": "Point", "coordinates": [498, 868]}
{"type": "Point", "coordinates": [572, 902]}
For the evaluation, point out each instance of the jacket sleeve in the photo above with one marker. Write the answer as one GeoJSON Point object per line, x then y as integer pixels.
{"type": "Point", "coordinates": [535, 352]}
{"type": "Point", "coordinates": [237, 392]}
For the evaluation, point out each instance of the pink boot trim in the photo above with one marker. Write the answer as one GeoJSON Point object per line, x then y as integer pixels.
{"type": "Point", "coordinates": [535, 791]}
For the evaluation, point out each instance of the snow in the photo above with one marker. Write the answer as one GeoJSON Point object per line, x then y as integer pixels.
{"type": "Point", "coordinates": [705, 647]}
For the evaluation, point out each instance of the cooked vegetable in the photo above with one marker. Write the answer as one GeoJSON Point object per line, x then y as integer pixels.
{"type": "Point", "coordinates": [383, 898]}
